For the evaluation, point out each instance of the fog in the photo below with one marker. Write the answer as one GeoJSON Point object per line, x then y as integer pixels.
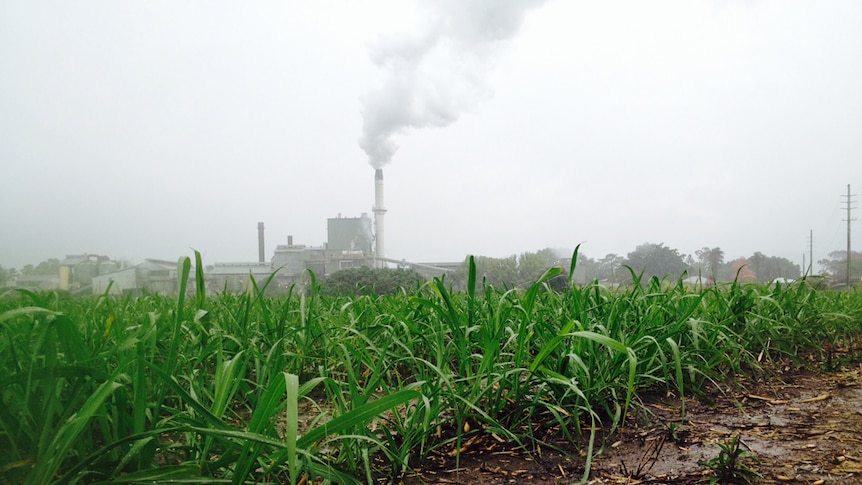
{"type": "Point", "coordinates": [145, 129]}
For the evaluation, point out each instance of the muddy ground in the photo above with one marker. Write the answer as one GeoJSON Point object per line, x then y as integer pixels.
{"type": "Point", "coordinates": [802, 425]}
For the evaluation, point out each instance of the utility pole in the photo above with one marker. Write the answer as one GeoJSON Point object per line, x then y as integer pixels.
{"type": "Point", "coordinates": [849, 203]}
{"type": "Point", "coordinates": [810, 270]}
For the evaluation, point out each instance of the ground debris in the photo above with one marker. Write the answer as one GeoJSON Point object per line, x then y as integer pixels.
{"type": "Point", "coordinates": [808, 433]}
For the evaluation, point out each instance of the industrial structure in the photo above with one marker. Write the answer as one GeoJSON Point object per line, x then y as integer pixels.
{"type": "Point", "coordinates": [379, 211]}
{"type": "Point", "coordinates": [350, 242]}
{"type": "Point", "coordinates": [154, 276]}
{"type": "Point", "coordinates": [75, 273]}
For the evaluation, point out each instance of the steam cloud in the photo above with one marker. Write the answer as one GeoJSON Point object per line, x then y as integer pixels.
{"type": "Point", "coordinates": [436, 72]}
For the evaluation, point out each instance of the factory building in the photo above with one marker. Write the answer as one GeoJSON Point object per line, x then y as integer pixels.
{"type": "Point", "coordinates": [291, 261]}
{"type": "Point", "coordinates": [153, 276]}
{"type": "Point", "coordinates": [234, 277]}
{"type": "Point", "coordinates": [38, 282]}
{"type": "Point", "coordinates": [77, 271]}
{"type": "Point", "coordinates": [348, 245]}
{"type": "Point", "coordinates": [348, 242]}
{"type": "Point", "coordinates": [74, 273]}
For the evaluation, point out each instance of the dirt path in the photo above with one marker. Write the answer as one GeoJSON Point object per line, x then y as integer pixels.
{"type": "Point", "coordinates": [804, 428]}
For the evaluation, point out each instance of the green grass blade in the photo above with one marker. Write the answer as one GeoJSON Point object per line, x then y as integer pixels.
{"type": "Point", "coordinates": [188, 399]}
{"type": "Point", "coordinates": [292, 414]}
{"type": "Point", "coordinates": [200, 284]}
{"type": "Point", "coordinates": [183, 473]}
{"type": "Point", "coordinates": [50, 459]}
{"type": "Point", "coordinates": [29, 310]}
{"type": "Point", "coordinates": [574, 263]}
{"type": "Point", "coordinates": [677, 361]}
{"type": "Point", "coordinates": [183, 268]}
{"type": "Point", "coordinates": [357, 417]}
{"type": "Point", "coordinates": [620, 348]}
{"type": "Point", "coordinates": [227, 380]}
{"type": "Point", "coordinates": [551, 346]}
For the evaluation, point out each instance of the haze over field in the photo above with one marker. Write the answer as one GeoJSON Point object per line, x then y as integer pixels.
{"type": "Point", "coordinates": [144, 129]}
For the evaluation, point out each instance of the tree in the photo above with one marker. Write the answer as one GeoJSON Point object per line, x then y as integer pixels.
{"type": "Point", "coordinates": [49, 266]}
{"type": "Point", "coordinates": [510, 272]}
{"type": "Point", "coordinates": [496, 271]}
{"type": "Point", "coordinates": [656, 260]}
{"type": "Point", "coordinates": [551, 256]}
{"type": "Point", "coordinates": [742, 272]}
{"type": "Point", "coordinates": [607, 268]}
{"type": "Point", "coordinates": [836, 266]}
{"type": "Point", "coordinates": [586, 270]}
{"type": "Point", "coordinates": [769, 268]}
{"type": "Point", "coordinates": [364, 280]}
{"type": "Point", "coordinates": [6, 275]}
{"type": "Point", "coordinates": [711, 260]}
{"type": "Point", "coordinates": [689, 261]}
{"type": "Point", "coordinates": [531, 266]}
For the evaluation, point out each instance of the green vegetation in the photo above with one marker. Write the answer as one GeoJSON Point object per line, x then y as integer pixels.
{"type": "Point", "coordinates": [648, 260]}
{"type": "Point", "coordinates": [836, 266]}
{"type": "Point", "coordinates": [6, 275]}
{"type": "Point", "coordinates": [376, 281]}
{"type": "Point", "coordinates": [250, 389]}
{"type": "Point", "coordinates": [656, 260]}
{"type": "Point", "coordinates": [730, 466]}
{"type": "Point", "coordinates": [47, 267]}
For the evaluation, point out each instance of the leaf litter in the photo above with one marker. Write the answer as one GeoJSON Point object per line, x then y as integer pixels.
{"type": "Point", "coordinates": [802, 427]}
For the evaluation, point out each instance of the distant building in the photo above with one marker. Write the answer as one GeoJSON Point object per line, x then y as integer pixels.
{"type": "Point", "coordinates": [152, 276]}
{"type": "Point", "coordinates": [40, 282]}
{"type": "Point", "coordinates": [349, 243]}
{"type": "Point", "coordinates": [77, 271]}
{"type": "Point", "coordinates": [234, 277]}
{"type": "Point", "coordinates": [429, 270]}
{"type": "Point", "coordinates": [698, 281]}
{"type": "Point", "coordinates": [120, 282]}
{"type": "Point", "coordinates": [292, 261]}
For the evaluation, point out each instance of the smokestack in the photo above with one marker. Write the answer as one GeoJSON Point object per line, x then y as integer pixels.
{"type": "Point", "coordinates": [261, 257]}
{"type": "Point", "coordinates": [379, 210]}
{"type": "Point", "coordinates": [290, 240]}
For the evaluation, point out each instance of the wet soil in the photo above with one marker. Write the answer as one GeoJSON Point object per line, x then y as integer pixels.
{"type": "Point", "coordinates": [802, 426]}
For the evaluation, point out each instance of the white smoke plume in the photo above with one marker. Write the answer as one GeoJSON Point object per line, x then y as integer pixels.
{"type": "Point", "coordinates": [437, 71]}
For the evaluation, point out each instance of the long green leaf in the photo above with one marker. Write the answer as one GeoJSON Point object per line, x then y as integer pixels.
{"type": "Point", "coordinates": [51, 458]}
{"type": "Point", "coordinates": [200, 282]}
{"type": "Point", "coordinates": [551, 346]}
{"type": "Point", "coordinates": [183, 473]}
{"type": "Point", "coordinates": [620, 348]}
{"type": "Point", "coordinates": [677, 362]}
{"type": "Point", "coordinates": [188, 399]}
{"type": "Point", "coordinates": [20, 312]}
{"type": "Point", "coordinates": [292, 416]}
{"type": "Point", "coordinates": [574, 263]}
{"type": "Point", "coordinates": [359, 416]}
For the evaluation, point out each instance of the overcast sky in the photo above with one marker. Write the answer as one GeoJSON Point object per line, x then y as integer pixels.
{"type": "Point", "coordinates": [143, 129]}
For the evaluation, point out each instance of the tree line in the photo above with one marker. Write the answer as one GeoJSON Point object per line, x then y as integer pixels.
{"type": "Point", "coordinates": [646, 260]}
